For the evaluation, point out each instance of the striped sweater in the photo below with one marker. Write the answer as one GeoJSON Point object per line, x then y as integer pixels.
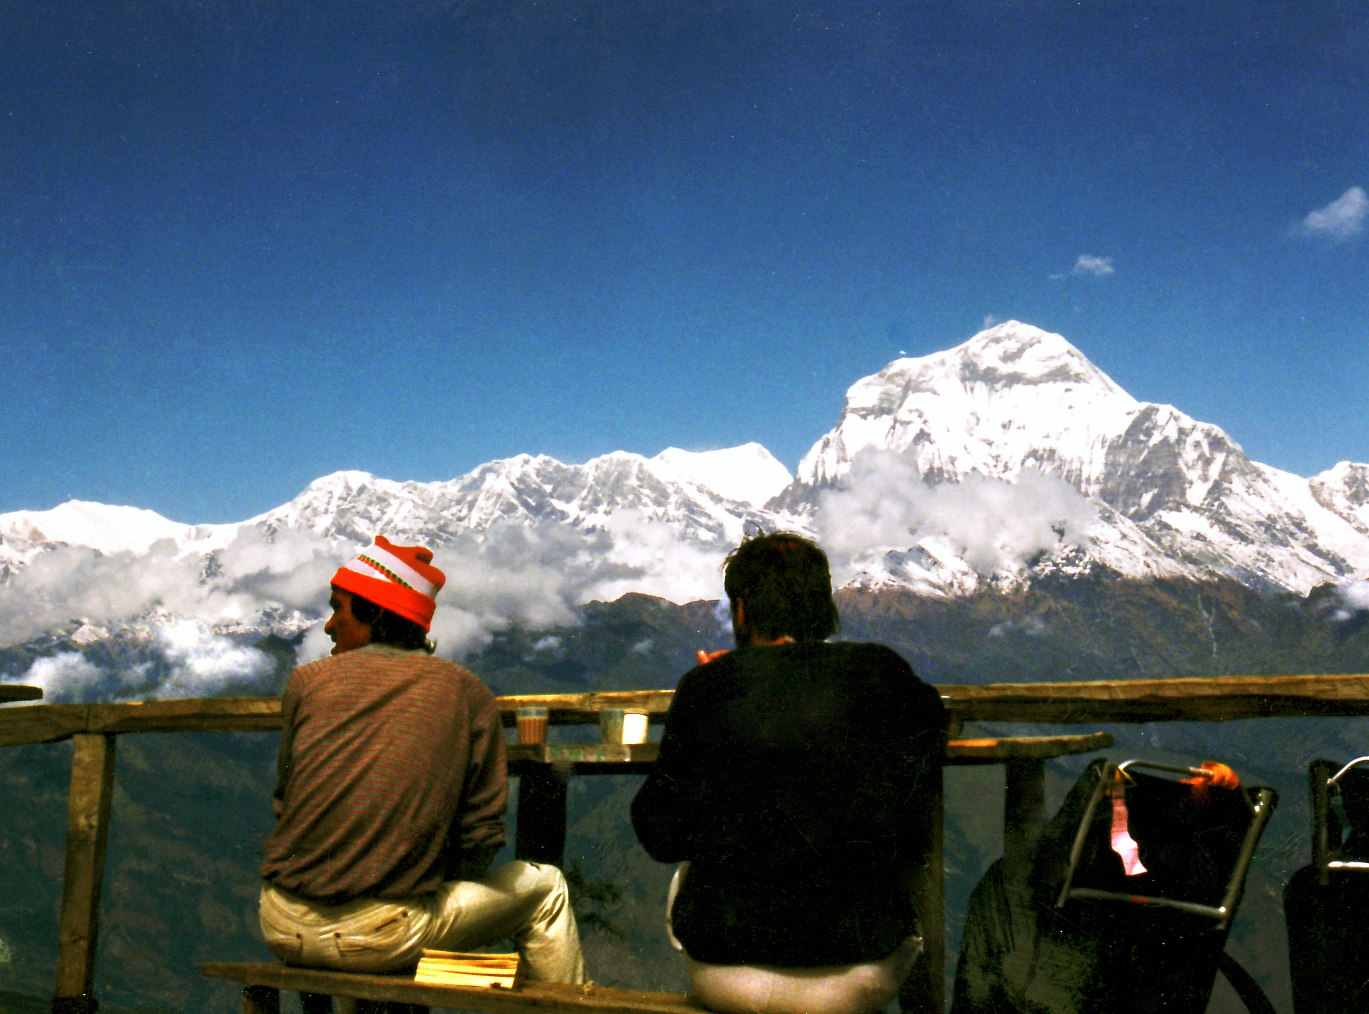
{"type": "Point", "coordinates": [391, 777]}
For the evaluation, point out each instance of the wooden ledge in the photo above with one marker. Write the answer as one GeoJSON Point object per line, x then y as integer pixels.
{"type": "Point", "coordinates": [989, 751]}
{"type": "Point", "coordinates": [591, 757]}
{"type": "Point", "coordinates": [548, 997]}
{"type": "Point", "coordinates": [584, 758]}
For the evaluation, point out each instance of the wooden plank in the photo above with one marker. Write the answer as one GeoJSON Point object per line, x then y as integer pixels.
{"type": "Point", "coordinates": [46, 723]}
{"type": "Point", "coordinates": [583, 709]}
{"type": "Point", "coordinates": [1201, 700]}
{"type": "Point", "coordinates": [41, 723]}
{"type": "Point", "coordinates": [540, 830]}
{"type": "Point", "coordinates": [1024, 807]}
{"type": "Point", "coordinates": [195, 714]}
{"type": "Point", "coordinates": [18, 692]}
{"type": "Point", "coordinates": [1221, 699]}
{"type": "Point", "coordinates": [92, 787]}
{"type": "Point", "coordinates": [582, 753]}
{"type": "Point", "coordinates": [543, 997]}
{"type": "Point", "coordinates": [609, 757]}
{"type": "Point", "coordinates": [1006, 748]}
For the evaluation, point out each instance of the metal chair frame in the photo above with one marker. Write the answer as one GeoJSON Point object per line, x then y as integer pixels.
{"type": "Point", "coordinates": [1324, 791]}
{"type": "Point", "coordinates": [1261, 804]}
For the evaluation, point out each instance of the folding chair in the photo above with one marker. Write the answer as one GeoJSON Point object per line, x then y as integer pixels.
{"type": "Point", "coordinates": [1327, 902]}
{"type": "Point", "coordinates": [1079, 934]}
{"type": "Point", "coordinates": [1187, 839]}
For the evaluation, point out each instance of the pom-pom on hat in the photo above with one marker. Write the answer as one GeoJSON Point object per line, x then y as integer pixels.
{"type": "Point", "coordinates": [401, 579]}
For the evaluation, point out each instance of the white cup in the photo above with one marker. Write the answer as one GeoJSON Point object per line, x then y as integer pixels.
{"type": "Point", "coordinates": [634, 727]}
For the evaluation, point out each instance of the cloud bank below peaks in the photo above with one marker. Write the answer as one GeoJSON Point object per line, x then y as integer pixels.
{"type": "Point", "coordinates": [185, 621]}
{"type": "Point", "coordinates": [984, 526]}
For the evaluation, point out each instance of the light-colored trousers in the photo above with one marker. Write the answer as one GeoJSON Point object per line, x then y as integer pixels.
{"type": "Point", "coordinates": [767, 989]}
{"type": "Point", "coordinates": [527, 901]}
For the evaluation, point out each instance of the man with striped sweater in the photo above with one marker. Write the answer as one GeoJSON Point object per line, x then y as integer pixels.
{"type": "Point", "coordinates": [391, 786]}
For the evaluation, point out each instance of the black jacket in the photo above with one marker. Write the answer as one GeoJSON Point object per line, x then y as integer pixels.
{"type": "Point", "coordinates": [791, 777]}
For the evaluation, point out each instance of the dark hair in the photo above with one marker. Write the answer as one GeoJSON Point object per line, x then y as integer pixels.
{"type": "Point", "coordinates": [785, 587]}
{"type": "Point", "coordinates": [391, 628]}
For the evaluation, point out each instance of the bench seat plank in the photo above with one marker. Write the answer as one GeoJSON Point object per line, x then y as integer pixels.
{"type": "Point", "coordinates": [543, 997]}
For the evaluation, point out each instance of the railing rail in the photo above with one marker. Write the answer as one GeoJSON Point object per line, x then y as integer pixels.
{"type": "Point", "coordinates": [1200, 700]}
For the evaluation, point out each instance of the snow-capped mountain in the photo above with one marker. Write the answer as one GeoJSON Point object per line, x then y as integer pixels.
{"type": "Point", "coordinates": [991, 464]}
{"type": "Point", "coordinates": [706, 496]}
{"type": "Point", "coordinates": [1173, 495]}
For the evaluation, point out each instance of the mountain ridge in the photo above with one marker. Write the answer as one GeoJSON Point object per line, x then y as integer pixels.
{"type": "Point", "coordinates": [1001, 461]}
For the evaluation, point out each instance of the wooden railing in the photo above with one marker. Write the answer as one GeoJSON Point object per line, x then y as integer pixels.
{"type": "Point", "coordinates": [93, 728]}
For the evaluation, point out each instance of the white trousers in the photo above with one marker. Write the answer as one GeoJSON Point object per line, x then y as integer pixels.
{"type": "Point", "coordinates": [527, 901]}
{"type": "Point", "coordinates": [767, 989]}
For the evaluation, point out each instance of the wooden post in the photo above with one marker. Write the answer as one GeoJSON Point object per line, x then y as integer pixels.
{"type": "Point", "coordinates": [541, 832]}
{"type": "Point", "coordinates": [924, 991]}
{"type": "Point", "coordinates": [1024, 807]}
{"type": "Point", "coordinates": [92, 786]}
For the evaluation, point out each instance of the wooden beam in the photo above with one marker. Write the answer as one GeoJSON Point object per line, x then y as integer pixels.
{"type": "Point", "coordinates": [583, 709]}
{"type": "Point", "coordinates": [530, 998]}
{"type": "Point", "coordinates": [196, 714]}
{"type": "Point", "coordinates": [1024, 807]}
{"type": "Point", "coordinates": [1009, 748]}
{"type": "Point", "coordinates": [1202, 700]}
{"type": "Point", "coordinates": [92, 787]}
{"type": "Point", "coordinates": [18, 692]}
{"type": "Point", "coordinates": [41, 723]}
{"type": "Point", "coordinates": [540, 830]}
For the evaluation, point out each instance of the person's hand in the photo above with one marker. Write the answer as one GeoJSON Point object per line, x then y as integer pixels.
{"type": "Point", "coordinates": [708, 656]}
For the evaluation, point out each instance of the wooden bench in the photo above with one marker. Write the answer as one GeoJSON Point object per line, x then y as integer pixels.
{"type": "Point", "coordinates": [263, 981]}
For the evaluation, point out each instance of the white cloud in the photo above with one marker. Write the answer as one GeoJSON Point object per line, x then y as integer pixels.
{"type": "Point", "coordinates": [66, 676]}
{"type": "Point", "coordinates": [316, 645]}
{"type": "Point", "coordinates": [989, 523]}
{"type": "Point", "coordinates": [196, 614]}
{"type": "Point", "coordinates": [1354, 598]}
{"type": "Point", "coordinates": [1099, 267]}
{"type": "Point", "coordinates": [1342, 218]}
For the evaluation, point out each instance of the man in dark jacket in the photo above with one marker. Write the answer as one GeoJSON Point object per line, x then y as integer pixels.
{"type": "Point", "coordinates": [787, 785]}
{"type": "Point", "coordinates": [390, 796]}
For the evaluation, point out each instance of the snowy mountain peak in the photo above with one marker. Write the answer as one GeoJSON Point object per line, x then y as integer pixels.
{"type": "Point", "coordinates": [1013, 353]}
{"type": "Point", "coordinates": [109, 529]}
{"type": "Point", "coordinates": [1170, 491]}
{"type": "Point", "coordinates": [748, 474]}
{"type": "Point", "coordinates": [1013, 396]}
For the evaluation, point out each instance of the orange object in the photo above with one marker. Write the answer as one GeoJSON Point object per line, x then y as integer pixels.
{"type": "Point", "coordinates": [1217, 774]}
{"type": "Point", "coordinates": [401, 579]}
{"type": "Point", "coordinates": [532, 725]}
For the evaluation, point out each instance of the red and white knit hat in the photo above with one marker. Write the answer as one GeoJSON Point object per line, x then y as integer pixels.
{"type": "Point", "coordinates": [401, 579]}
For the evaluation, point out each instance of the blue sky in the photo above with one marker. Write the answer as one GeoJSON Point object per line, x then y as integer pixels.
{"type": "Point", "coordinates": [243, 245]}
